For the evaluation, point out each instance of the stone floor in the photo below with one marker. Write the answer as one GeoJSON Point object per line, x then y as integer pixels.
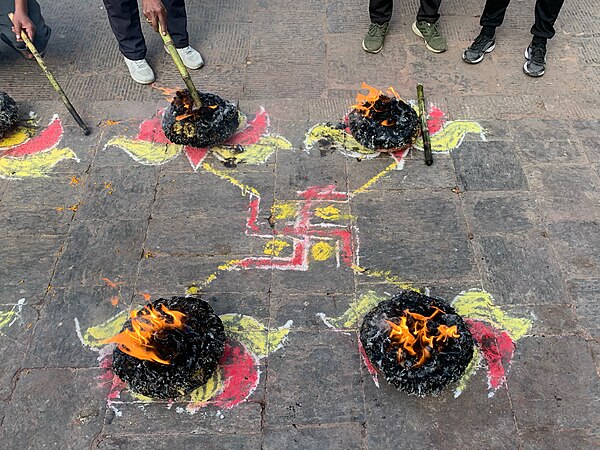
{"type": "Point", "coordinates": [505, 224]}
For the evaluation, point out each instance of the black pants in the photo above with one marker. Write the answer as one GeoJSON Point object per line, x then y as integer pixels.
{"type": "Point", "coordinates": [381, 10]}
{"type": "Point", "coordinates": [546, 12]}
{"type": "Point", "coordinates": [42, 33]}
{"type": "Point", "coordinates": [124, 17]}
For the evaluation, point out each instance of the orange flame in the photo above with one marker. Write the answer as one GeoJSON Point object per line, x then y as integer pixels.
{"type": "Point", "coordinates": [366, 103]}
{"type": "Point", "coordinates": [145, 324]}
{"type": "Point", "coordinates": [413, 336]}
{"type": "Point", "coordinates": [168, 93]}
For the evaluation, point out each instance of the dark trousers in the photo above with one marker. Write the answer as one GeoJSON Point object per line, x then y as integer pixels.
{"type": "Point", "coordinates": [42, 33]}
{"type": "Point", "coordinates": [381, 10]}
{"type": "Point", "coordinates": [546, 12]}
{"type": "Point", "coordinates": [124, 18]}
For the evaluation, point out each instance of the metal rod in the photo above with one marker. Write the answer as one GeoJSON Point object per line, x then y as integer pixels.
{"type": "Point", "coordinates": [424, 127]}
{"type": "Point", "coordinates": [166, 37]}
{"type": "Point", "coordinates": [53, 81]}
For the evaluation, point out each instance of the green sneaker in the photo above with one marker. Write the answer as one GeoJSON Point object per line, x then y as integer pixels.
{"type": "Point", "coordinates": [434, 41]}
{"type": "Point", "coordinates": [373, 41]}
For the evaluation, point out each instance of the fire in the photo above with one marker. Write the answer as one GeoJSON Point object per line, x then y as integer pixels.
{"type": "Point", "coordinates": [375, 101]}
{"type": "Point", "coordinates": [413, 336]}
{"type": "Point", "coordinates": [145, 324]}
{"type": "Point", "coordinates": [168, 93]}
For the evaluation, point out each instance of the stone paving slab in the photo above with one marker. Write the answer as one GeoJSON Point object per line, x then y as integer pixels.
{"type": "Point", "coordinates": [504, 224]}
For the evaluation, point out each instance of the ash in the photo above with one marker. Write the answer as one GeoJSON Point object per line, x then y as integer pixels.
{"type": "Point", "coordinates": [194, 352]}
{"type": "Point", "coordinates": [201, 128]}
{"type": "Point", "coordinates": [370, 132]}
{"type": "Point", "coordinates": [444, 366]}
{"type": "Point", "coordinates": [9, 113]}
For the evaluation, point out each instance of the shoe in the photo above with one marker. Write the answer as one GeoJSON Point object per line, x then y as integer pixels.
{"type": "Point", "coordinates": [140, 71]}
{"type": "Point", "coordinates": [434, 41]}
{"type": "Point", "coordinates": [535, 54]}
{"type": "Point", "coordinates": [481, 45]}
{"type": "Point", "coordinates": [192, 59]}
{"type": "Point", "coordinates": [373, 41]}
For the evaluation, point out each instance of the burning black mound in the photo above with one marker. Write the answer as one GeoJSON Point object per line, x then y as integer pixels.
{"type": "Point", "coordinates": [382, 122]}
{"type": "Point", "coordinates": [169, 348]}
{"type": "Point", "coordinates": [9, 113]}
{"type": "Point", "coordinates": [419, 343]}
{"type": "Point", "coordinates": [212, 124]}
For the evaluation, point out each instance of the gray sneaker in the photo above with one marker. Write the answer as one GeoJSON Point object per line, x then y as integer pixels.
{"type": "Point", "coordinates": [481, 45]}
{"type": "Point", "coordinates": [536, 60]}
{"type": "Point", "coordinates": [140, 71]}
{"type": "Point", "coordinates": [373, 41]}
{"type": "Point", "coordinates": [192, 59]}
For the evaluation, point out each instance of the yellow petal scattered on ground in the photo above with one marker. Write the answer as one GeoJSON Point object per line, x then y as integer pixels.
{"type": "Point", "coordinates": [148, 153]}
{"type": "Point", "coordinates": [37, 165]}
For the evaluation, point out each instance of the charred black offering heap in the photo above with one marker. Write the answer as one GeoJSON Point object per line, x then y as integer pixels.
{"type": "Point", "coordinates": [382, 122]}
{"type": "Point", "coordinates": [419, 343]}
{"type": "Point", "coordinates": [169, 348]}
{"type": "Point", "coordinates": [211, 124]}
{"type": "Point", "coordinates": [9, 113]}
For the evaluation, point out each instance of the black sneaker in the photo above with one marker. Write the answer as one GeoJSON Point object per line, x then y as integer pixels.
{"type": "Point", "coordinates": [481, 45]}
{"type": "Point", "coordinates": [535, 54]}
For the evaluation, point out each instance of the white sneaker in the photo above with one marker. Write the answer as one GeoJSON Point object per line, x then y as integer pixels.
{"type": "Point", "coordinates": [192, 59]}
{"type": "Point", "coordinates": [140, 71]}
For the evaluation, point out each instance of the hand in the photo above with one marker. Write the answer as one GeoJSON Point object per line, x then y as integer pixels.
{"type": "Point", "coordinates": [155, 13]}
{"type": "Point", "coordinates": [22, 22]}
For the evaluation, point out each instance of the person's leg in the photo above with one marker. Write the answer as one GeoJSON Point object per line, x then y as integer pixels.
{"type": "Point", "coordinates": [177, 22]}
{"type": "Point", "coordinates": [124, 18]}
{"type": "Point", "coordinates": [42, 33]}
{"type": "Point", "coordinates": [380, 11]}
{"type": "Point", "coordinates": [493, 14]}
{"type": "Point", "coordinates": [546, 13]}
{"type": "Point", "coordinates": [429, 11]}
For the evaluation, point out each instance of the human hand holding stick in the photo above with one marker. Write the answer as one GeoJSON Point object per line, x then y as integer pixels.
{"type": "Point", "coordinates": [50, 77]}
{"type": "Point", "coordinates": [156, 14]}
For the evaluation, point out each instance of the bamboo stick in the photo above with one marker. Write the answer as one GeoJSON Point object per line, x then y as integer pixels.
{"type": "Point", "coordinates": [53, 81]}
{"type": "Point", "coordinates": [424, 127]}
{"type": "Point", "coordinates": [166, 37]}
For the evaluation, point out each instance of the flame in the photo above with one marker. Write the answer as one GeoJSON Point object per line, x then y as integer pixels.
{"type": "Point", "coordinates": [145, 324]}
{"type": "Point", "coordinates": [168, 93]}
{"type": "Point", "coordinates": [369, 103]}
{"type": "Point", "coordinates": [413, 336]}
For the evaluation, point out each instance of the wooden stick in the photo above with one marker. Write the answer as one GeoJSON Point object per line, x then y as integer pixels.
{"type": "Point", "coordinates": [52, 80]}
{"type": "Point", "coordinates": [424, 127]}
{"type": "Point", "coordinates": [166, 37]}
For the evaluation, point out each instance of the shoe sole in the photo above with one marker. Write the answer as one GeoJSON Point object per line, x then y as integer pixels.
{"type": "Point", "coordinates": [140, 81]}
{"type": "Point", "coordinates": [418, 33]}
{"type": "Point", "coordinates": [531, 74]}
{"type": "Point", "coordinates": [371, 51]}
{"type": "Point", "coordinates": [478, 60]}
{"type": "Point", "coordinates": [189, 67]}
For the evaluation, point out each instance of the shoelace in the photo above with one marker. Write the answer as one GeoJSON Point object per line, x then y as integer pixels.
{"type": "Point", "coordinates": [140, 64]}
{"type": "Point", "coordinates": [187, 50]}
{"type": "Point", "coordinates": [480, 43]}
{"type": "Point", "coordinates": [432, 30]}
{"type": "Point", "coordinates": [375, 30]}
{"type": "Point", "coordinates": [538, 54]}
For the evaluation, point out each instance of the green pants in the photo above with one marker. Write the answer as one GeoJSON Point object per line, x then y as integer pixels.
{"type": "Point", "coordinates": [42, 34]}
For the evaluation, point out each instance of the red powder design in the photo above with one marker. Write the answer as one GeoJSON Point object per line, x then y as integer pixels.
{"type": "Point", "coordinates": [240, 375]}
{"type": "Point", "coordinates": [497, 348]}
{"type": "Point", "coordinates": [48, 138]}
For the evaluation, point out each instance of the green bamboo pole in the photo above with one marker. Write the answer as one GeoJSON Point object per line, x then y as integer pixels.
{"type": "Point", "coordinates": [166, 37]}
{"type": "Point", "coordinates": [52, 80]}
{"type": "Point", "coordinates": [424, 127]}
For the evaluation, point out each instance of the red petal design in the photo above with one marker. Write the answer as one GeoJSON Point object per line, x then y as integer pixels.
{"type": "Point", "coordinates": [48, 138]}
{"type": "Point", "coordinates": [436, 119]}
{"type": "Point", "coordinates": [151, 130]}
{"type": "Point", "coordinates": [497, 348]}
{"type": "Point", "coordinates": [253, 130]}
{"type": "Point", "coordinates": [195, 155]}
{"type": "Point", "coordinates": [240, 374]}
